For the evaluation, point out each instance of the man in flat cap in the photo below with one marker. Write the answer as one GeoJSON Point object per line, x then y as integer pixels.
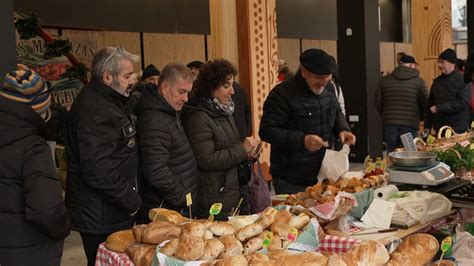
{"type": "Point", "coordinates": [299, 117]}
{"type": "Point", "coordinates": [448, 103]}
{"type": "Point", "coordinates": [401, 98]}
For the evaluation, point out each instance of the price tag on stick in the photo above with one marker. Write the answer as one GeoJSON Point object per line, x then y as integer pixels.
{"type": "Point", "coordinates": [189, 202]}
{"type": "Point", "coordinates": [214, 210]}
{"type": "Point", "coordinates": [445, 245]}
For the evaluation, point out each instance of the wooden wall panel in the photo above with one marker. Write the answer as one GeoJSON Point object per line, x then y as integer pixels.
{"type": "Point", "coordinates": [222, 42]}
{"type": "Point", "coordinates": [404, 47]}
{"type": "Point", "coordinates": [461, 50]}
{"type": "Point", "coordinates": [100, 39]}
{"type": "Point", "coordinates": [289, 50]}
{"type": "Point", "coordinates": [307, 44]}
{"type": "Point", "coordinates": [431, 34]}
{"type": "Point", "coordinates": [330, 46]}
{"type": "Point", "coordinates": [387, 57]}
{"type": "Point", "coordinates": [162, 48]}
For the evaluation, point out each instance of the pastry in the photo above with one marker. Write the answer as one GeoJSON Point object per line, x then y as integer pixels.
{"type": "Point", "coordinates": [253, 244]}
{"type": "Point", "coordinates": [190, 248]}
{"type": "Point", "coordinates": [249, 231]}
{"type": "Point", "coordinates": [169, 249]}
{"type": "Point", "coordinates": [212, 249]}
{"type": "Point", "coordinates": [233, 247]}
{"type": "Point", "coordinates": [221, 228]}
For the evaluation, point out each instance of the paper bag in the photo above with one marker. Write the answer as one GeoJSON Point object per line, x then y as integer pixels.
{"type": "Point", "coordinates": [335, 164]}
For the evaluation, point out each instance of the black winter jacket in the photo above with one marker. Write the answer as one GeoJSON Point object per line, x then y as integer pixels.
{"type": "Point", "coordinates": [451, 97]}
{"type": "Point", "coordinates": [242, 114]}
{"type": "Point", "coordinates": [168, 166]}
{"type": "Point", "coordinates": [290, 112]}
{"type": "Point", "coordinates": [401, 97]}
{"type": "Point", "coordinates": [218, 150]}
{"type": "Point", "coordinates": [33, 217]}
{"type": "Point", "coordinates": [101, 188]}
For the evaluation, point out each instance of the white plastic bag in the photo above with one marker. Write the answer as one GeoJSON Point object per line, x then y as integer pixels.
{"type": "Point", "coordinates": [335, 164]}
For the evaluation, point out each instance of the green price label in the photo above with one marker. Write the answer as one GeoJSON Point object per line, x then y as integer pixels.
{"type": "Point", "coordinates": [430, 139]}
{"type": "Point", "coordinates": [267, 240]}
{"type": "Point", "coordinates": [215, 209]}
{"type": "Point", "coordinates": [446, 244]}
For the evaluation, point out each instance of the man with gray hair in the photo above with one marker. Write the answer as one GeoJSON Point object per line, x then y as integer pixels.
{"type": "Point", "coordinates": [168, 166]}
{"type": "Point", "coordinates": [401, 99]}
{"type": "Point", "coordinates": [102, 191]}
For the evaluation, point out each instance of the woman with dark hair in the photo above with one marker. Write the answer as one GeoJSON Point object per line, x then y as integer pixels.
{"type": "Point", "coordinates": [214, 138]}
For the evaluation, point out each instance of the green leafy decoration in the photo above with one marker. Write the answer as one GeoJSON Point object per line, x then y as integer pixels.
{"type": "Point", "coordinates": [463, 162]}
{"type": "Point", "coordinates": [27, 27]}
{"type": "Point", "coordinates": [76, 72]}
{"type": "Point", "coordinates": [57, 48]}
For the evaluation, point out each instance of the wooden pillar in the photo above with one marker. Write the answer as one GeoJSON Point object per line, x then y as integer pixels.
{"type": "Point", "coordinates": [432, 33]}
{"type": "Point", "coordinates": [258, 55]}
{"type": "Point", "coordinates": [222, 42]}
{"type": "Point", "coordinates": [7, 45]}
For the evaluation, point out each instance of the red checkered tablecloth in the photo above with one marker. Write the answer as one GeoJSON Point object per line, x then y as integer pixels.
{"type": "Point", "coordinates": [107, 257]}
{"type": "Point", "coordinates": [337, 244]}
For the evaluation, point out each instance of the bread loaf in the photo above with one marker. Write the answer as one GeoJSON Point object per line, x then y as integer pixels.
{"type": "Point", "coordinates": [193, 229]}
{"type": "Point", "coordinates": [253, 244]}
{"type": "Point", "coordinates": [255, 258]}
{"type": "Point", "coordinates": [190, 248]}
{"type": "Point", "coordinates": [147, 259]}
{"type": "Point", "coordinates": [417, 249]}
{"type": "Point", "coordinates": [120, 241]}
{"type": "Point", "coordinates": [249, 231]}
{"type": "Point", "coordinates": [367, 253]}
{"type": "Point", "coordinates": [282, 230]}
{"type": "Point", "coordinates": [138, 231]}
{"type": "Point", "coordinates": [137, 252]}
{"type": "Point", "coordinates": [221, 229]}
{"type": "Point", "coordinates": [208, 235]}
{"type": "Point", "coordinates": [238, 260]}
{"type": "Point", "coordinates": [169, 249]}
{"type": "Point", "coordinates": [212, 249]}
{"type": "Point", "coordinates": [299, 221]}
{"type": "Point", "coordinates": [155, 234]}
{"type": "Point", "coordinates": [233, 247]}
{"type": "Point", "coordinates": [283, 216]}
{"type": "Point", "coordinates": [161, 214]}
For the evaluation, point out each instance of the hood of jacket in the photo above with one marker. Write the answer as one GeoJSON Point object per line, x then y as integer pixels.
{"type": "Point", "coordinates": [404, 73]}
{"type": "Point", "coordinates": [18, 121]}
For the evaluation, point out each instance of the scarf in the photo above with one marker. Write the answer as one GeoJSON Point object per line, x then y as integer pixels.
{"type": "Point", "coordinates": [225, 109]}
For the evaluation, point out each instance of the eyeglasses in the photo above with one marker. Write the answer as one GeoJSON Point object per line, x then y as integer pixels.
{"type": "Point", "coordinates": [117, 50]}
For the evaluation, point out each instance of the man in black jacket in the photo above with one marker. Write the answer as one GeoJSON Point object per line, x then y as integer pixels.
{"type": "Point", "coordinates": [401, 99]}
{"type": "Point", "coordinates": [448, 103]}
{"type": "Point", "coordinates": [33, 217]}
{"type": "Point", "coordinates": [168, 166]}
{"type": "Point", "coordinates": [299, 117]}
{"type": "Point", "coordinates": [102, 192]}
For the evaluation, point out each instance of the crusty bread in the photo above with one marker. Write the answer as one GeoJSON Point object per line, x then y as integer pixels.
{"type": "Point", "coordinates": [255, 258]}
{"type": "Point", "coordinates": [275, 244]}
{"type": "Point", "coordinates": [240, 222]}
{"type": "Point", "coordinates": [281, 230]}
{"type": "Point", "coordinates": [299, 221]}
{"type": "Point", "coordinates": [283, 216]}
{"type": "Point", "coordinates": [221, 229]}
{"type": "Point", "coordinates": [120, 241]}
{"type": "Point", "coordinates": [190, 248]}
{"type": "Point", "coordinates": [233, 247]}
{"type": "Point", "coordinates": [161, 214]}
{"type": "Point", "coordinates": [137, 252]}
{"type": "Point", "coordinates": [238, 260]}
{"type": "Point", "coordinates": [283, 257]}
{"type": "Point", "coordinates": [367, 253]}
{"type": "Point", "coordinates": [249, 231]}
{"type": "Point", "coordinates": [208, 235]}
{"type": "Point", "coordinates": [147, 259]}
{"type": "Point", "coordinates": [417, 249]}
{"type": "Point", "coordinates": [193, 229]}
{"type": "Point", "coordinates": [155, 234]}
{"type": "Point", "coordinates": [169, 249]}
{"type": "Point", "coordinates": [212, 249]}
{"type": "Point", "coordinates": [267, 217]}
{"type": "Point", "coordinates": [253, 244]}
{"type": "Point", "coordinates": [138, 231]}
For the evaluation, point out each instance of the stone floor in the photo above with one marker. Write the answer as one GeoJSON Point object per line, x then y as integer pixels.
{"type": "Point", "coordinates": [73, 253]}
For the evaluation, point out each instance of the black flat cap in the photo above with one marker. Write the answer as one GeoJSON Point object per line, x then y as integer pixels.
{"type": "Point", "coordinates": [318, 61]}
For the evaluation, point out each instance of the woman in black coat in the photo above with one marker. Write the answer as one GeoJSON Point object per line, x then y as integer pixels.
{"type": "Point", "coordinates": [214, 138]}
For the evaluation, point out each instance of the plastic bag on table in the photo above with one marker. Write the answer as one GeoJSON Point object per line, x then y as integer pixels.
{"type": "Point", "coordinates": [335, 164]}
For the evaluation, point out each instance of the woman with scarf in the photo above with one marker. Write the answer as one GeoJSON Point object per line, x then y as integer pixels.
{"type": "Point", "coordinates": [214, 138]}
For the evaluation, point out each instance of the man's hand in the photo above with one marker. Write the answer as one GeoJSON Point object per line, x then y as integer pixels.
{"type": "Point", "coordinates": [314, 142]}
{"type": "Point", "coordinates": [347, 137]}
{"type": "Point", "coordinates": [433, 109]}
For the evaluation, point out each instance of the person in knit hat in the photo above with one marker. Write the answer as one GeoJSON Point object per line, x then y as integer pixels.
{"type": "Point", "coordinates": [448, 103]}
{"type": "Point", "coordinates": [150, 74]}
{"type": "Point", "coordinates": [33, 216]}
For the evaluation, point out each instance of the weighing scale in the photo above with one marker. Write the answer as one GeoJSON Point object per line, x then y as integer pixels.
{"type": "Point", "coordinates": [430, 175]}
